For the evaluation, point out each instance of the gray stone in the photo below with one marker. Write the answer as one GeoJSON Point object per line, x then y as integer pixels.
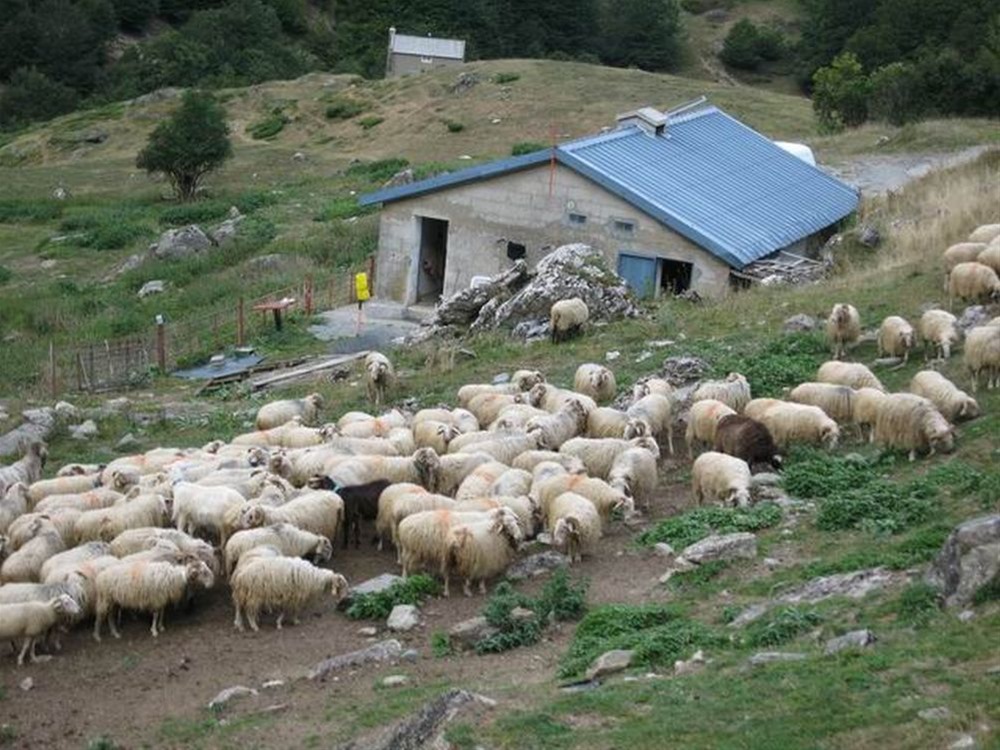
{"type": "Point", "coordinates": [682, 370]}
{"type": "Point", "coordinates": [854, 585]}
{"type": "Point", "coordinates": [27, 684]}
{"type": "Point", "coordinates": [938, 713]}
{"type": "Point", "coordinates": [868, 235]}
{"type": "Point", "coordinates": [37, 426]}
{"type": "Point", "coordinates": [382, 651]}
{"type": "Point", "coordinates": [119, 405]}
{"type": "Point", "coordinates": [799, 323]}
{"type": "Point", "coordinates": [368, 632]}
{"type": "Point", "coordinates": [374, 585]}
{"type": "Point", "coordinates": [298, 156]}
{"type": "Point", "coordinates": [969, 559]}
{"type": "Point", "coordinates": [662, 549]}
{"type": "Point", "coordinates": [967, 615]}
{"type": "Point", "coordinates": [692, 666]}
{"type": "Point", "coordinates": [178, 244]}
{"type": "Point", "coordinates": [60, 193]}
{"type": "Point", "coordinates": [84, 430]}
{"type": "Point", "coordinates": [271, 684]}
{"type": "Point", "coordinates": [466, 634]}
{"type": "Point", "coordinates": [131, 263]}
{"type": "Point", "coordinates": [402, 177]}
{"type": "Point", "coordinates": [231, 693]}
{"type": "Point", "coordinates": [128, 444]}
{"type": "Point", "coordinates": [610, 662]}
{"type": "Point", "coordinates": [536, 565]}
{"type": "Point", "coordinates": [66, 412]}
{"type": "Point", "coordinates": [972, 316]}
{"type": "Point", "coordinates": [403, 618]}
{"type": "Point", "coordinates": [156, 286]}
{"type": "Point", "coordinates": [854, 639]}
{"type": "Point", "coordinates": [770, 657]}
{"type": "Point", "coordinates": [677, 565]}
{"type": "Point", "coordinates": [410, 656]}
{"type": "Point", "coordinates": [771, 563]}
{"type": "Point", "coordinates": [521, 614]}
{"type": "Point", "coordinates": [748, 615]}
{"type": "Point", "coordinates": [765, 479]}
{"type": "Point", "coordinates": [225, 231]}
{"type": "Point", "coordinates": [739, 546]}
{"type": "Point", "coordinates": [395, 680]}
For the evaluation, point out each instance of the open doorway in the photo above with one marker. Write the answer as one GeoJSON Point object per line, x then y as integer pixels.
{"type": "Point", "coordinates": [675, 276]}
{"type": "Point", "coordinates": [433, 254]}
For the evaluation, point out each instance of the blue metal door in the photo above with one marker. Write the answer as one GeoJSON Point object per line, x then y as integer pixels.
{"type": "Point", "coordinates": [639, 273]}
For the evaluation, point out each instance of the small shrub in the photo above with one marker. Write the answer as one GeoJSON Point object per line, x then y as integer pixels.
{"type": "Point", "coordinates": [267, 128]}
{"type": "Point", "coordinates": [526, 147]}
{"type": "Point", "coordinates": [343, 208]}
{"type": "Point", "coordinates": [693, 526]}
{"type": "Point", "coordinates": [5, 274]}
{"type": "Point", "coordinates": [344, 109]}
{"type": "Point", "coordinates": [963, 480]}
{"type": "Point", "coordinates": [561, 599]}
{"type": "Point", "coordinates": [367, 123]}
{"type": "Point", "coordinates": [502, 78]}
{"type": "Point", "coordinates": [377, 171]}
{"type": "Point", "coordinates": [23, 211]}
{"type": "Point", "coordinates": [699, 577]}
{"type": "Point", "coordinates": [454, 126]}
{"type": "Point", "coordinates": [254, 200]}
{"type": "Point", "coordinates": [102, 743]}
{"type": "Point", "coordinates": [441, 644]}
{"type": "Point", "coordinates": [917, 605]}
{"type": "Point", "coordinates": [377, 606]}
{"type": "Point", "coordinates": [781, 626]}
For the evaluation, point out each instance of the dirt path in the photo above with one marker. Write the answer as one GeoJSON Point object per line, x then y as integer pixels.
{"type": "Point", "coordinates": [881, 174]}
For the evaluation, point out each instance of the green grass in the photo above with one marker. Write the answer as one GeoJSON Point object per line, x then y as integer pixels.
{"type": "Point", "coordinates": [917, 605]}
{"type": "Point", "coordinates": [345, 109]}
{"type": "Point", "coordinates": [377, 606]}
{"type": "Point", "coordinates": [268, 127]}
{"type": "Point", "coordinates": [18, 211]}
{"type": "Point", "coordinates": [367, 123]}
{"type": "Point", "coordinates": [694, 525]}
{"type": "Point", "coordinates": [780, 626]}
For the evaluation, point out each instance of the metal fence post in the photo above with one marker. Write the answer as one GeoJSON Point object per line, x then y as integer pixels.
{"type": "Point", "coordinates": [161, 344]}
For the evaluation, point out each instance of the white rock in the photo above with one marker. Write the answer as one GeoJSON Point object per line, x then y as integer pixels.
{"type": "Point", "coordinates": [610, 662]}
{"type": "Point", "coordinates": [395, 680]}
{"type": "Point", "coordinates": [938, 713]}
{"type": "Point", "coordinates": [368, 632]}
{"type": "Point", "coordinates": [237, 691]}
{"type": "Point", "coordinates": [663, 549]}
{"type": "Point", "coordinates": [965, 742]}
{"type": "Point", "coordinates": [404, 617]}
{"type": "Point", "coordinates": [65, 411]}
{"type": "Point", "coordinates": [738, 546]}
{"type": "Point", "coordinates": [84, 430]}
{"type": "Point", "coordinates": [156, 286]}
{"type": "Point", "coordinates": [26, 684]}
{"type": "Point", "coordinates": [612, 355]}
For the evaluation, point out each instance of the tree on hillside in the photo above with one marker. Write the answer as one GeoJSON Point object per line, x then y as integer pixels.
{"type": "Point", "coordinates": [191, 143]}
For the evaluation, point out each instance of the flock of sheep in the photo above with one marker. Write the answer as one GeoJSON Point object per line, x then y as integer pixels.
{"type": "Point", "coordinates": [456, 491]}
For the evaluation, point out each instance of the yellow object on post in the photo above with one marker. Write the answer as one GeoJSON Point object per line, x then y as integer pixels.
{"type": "Point", "coordinates": [361, 287]}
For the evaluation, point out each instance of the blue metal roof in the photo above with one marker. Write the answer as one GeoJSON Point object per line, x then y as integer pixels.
{"type": "Point", "coordinates": [708, 177]}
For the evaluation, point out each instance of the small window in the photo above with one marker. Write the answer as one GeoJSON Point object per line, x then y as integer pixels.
{"type": "Point", "coordinates": [515, 250]}
{"type": "Point", "coordinates": [623, 226]}
{"type": "Point", "coordinates": [577, 220]}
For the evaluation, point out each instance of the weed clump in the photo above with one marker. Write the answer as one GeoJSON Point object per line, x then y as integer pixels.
{"type": "Point", "coordinates": [24, 211]}
{"type": "Point", "coordinates": [344, 109]}
{"type": "Point", "coordinates": [267, 128]}
{"type": "Point", "coordinates": [377, 171]}
{"type": "Point", "coordinates": [781, 626]}
{"type": "Point", "coordinates": [377, 606]}
{"type": "Point", "coordinates": [917, 605]}
{"type": "Point", "coordinates": [693, 526]}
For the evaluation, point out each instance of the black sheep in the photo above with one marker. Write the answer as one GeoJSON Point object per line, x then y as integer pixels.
{"type": "Point", "coordinates": [360, 502]}
{"type": "Point", "coordinates": [748, 439]}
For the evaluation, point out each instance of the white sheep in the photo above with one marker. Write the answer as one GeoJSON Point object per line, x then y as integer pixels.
{"type": "Point", "coordinates": [515, 417]}
{"type": "Point", "coordinates": [598, 455]}
{"type": "Point", "coordinates": [985, 233]}
{"type": "Point", "coordinates": [852, 374]}
{"type": "Point", "coordinates": [734, 391]}
{"type": "Point", "coordinates": [567, 317]}
{"type": "Point", "coordinates": [954, 404]}
{"type": "Point", "coordinates": [938, 329]}
{"type": "Point", "coordinates": [552, 399]}
{"type": "Point", "coordinates": [652, 416]}
{"type": "Point", "coordinates": [25, 564]}
{"type": "Point", "coordinates": [102, 497]}
{"type": "Point", "coordinates": [575, 525]}
{"type": "Point", "coordinates": [400, 501]}
{"type": "Point", "coordinates": [280, 584]}
{"type": "Point", "coordinates": [634, 474]}
{"type": "Point", "coordinates": [27, 526]}
{"type": "Point", "coordinates": [72, 556]}
{"type": "Point", "coordinates": [379, 377]}
{"type": "Point", "coordinates": [503, 447]}
{"type": "Point", "coordinates": [445, 473]}
{"type": "Point", "coordinates": [652, 385]}
{"type": "Point", "coordinates": [74, 586]}
{"type": "Point", "coordinates": [990, 256]}
{"type": "Point", "coordinates": [319, 511]}
{"type": "Point", "coordinates": [27, 469]}
{"type": "Point", "coordinates": [552, 430]}
{"type": "Point", "coordinates": [513, 482]}
{"type": "Point", "coordinates": [596, 381]}
{"type": "Point", "coordinates": [381, 426]}
{"type": "Point", "coordinates": [145, 587]}
{"type": "Point", "coordinates": [136, 540]}
{"type": "Point", "coordinates": [479, 481]}
{"type": "Point", "coordinates": [719, 477]}
{"type": "Point", "coordinates": [973, 281]}
{"type": "Point", "coordinates": [836, 400]}
{"type": "Point", "coordinates": [843, 327]}
{"type": "Point", "coordinates": [702, 421]}
{"type": "Point", "coordinates": [981, 356]}
{"type": "Point", "coordinates": [463, 419]}
{"type": "Point", "coordinates": [896, 338]}
{"type": "Point", "coordinates": [603, 495]}
{"type": "Point", "coordinates": [279, 412]}
{"type": "Point", "coordinates": [911, 423]}
{"type": "Point", "coordinates": [867, 402]}
{"type": "Point", "coordinates": [486, 407]}
{"type": "Point", "coordinates": [606, 422]}
{"type": "Point", "coordinates": [107, 523]}
{"type": "Point", "coordinates": [68, 485]}
{"type": "Point", "coordinates": [756, 408]}
{"type": "Point", "coordinates": [434, 434]}
{"type": "Point", "coordinates": [30, 620]}
{"type": "Point", "coordinates": [68, 470]}
{"type": "Point", "coordinates": [962, 252]}
{"type": "Point", "coordinates": [13, 504]}
{"type": "Point", "coordinates": [481, 551]}
{"type": "Point", "coordinates": [791, 423]}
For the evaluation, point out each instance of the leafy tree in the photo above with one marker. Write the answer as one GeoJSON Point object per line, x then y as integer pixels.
{"type": "Point", "coordinates": [896, 94]}
{"type": "Point", "coordinates": [644, 33]}
{"type": "Point", "coordinates": [31, 95]}
{"type": "Point", "coordinates": [840, 93]}
{"type": "Point", "coordinates": [193, 142]}
{"type": "Point", "coordinates": [133, 15]}
{"type": "Point", "coordinates": [740, 49]}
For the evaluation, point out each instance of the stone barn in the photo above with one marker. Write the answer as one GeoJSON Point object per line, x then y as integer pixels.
{"type": "Point", "coordinates": [675, 201]}
{"type": "Point", "coordinates": [415, 54]}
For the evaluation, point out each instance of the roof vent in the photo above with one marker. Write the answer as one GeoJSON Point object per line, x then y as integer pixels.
{"type": "Point", "coordinates": [649, 119]}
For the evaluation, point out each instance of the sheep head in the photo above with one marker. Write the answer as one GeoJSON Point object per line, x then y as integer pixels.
{"type": "Point", "coordinates": [506, 524]}
{"type": "Point", "coordinates": [17, 492]}
{"type": "Point", "coordinates": [739, 497]}
{"type": "Point", "coordinates": [280, 464]}
{"type": "Point", "coordinates": [535, 396]}
{"type": "Point", "coordinates": [122, 479]}
{"type": "Point", "coordinates": [328, 432]}
{"type": "Point", "coordinates": [251, 517]}
{"type": "Point", "coordinates": [199, 574]}
{"type": "Point", "coordinates": [635, 428]}
{"type": "Point", "coordinates": [648, 444]}
{"type": "Point", "coordinates": [338, 586]}
{"type": "Point", "coordinates": [428, 466]}
{"type": "Point", "coordinates": [65, 606]}
{"type": "Point", "coordinates": [323, 550]}
{"type": "Point", "coordinates": [841, 314]}
{"type": "Point", "coordinates": [213, 446]}
{"type": "Point", "coordinates": [566, 532]}
{"type": "Point", "coordinates": [528, 379]}
{"type": "Point", "coordinates": [830, 434]}
{"type": "Point", "coordinates": [969, 408]}
{"type": "Point", "coordinates": [315, 400]}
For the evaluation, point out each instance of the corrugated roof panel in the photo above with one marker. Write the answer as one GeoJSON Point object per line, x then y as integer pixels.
{"type": "Point", "coordinates": [427, 46]}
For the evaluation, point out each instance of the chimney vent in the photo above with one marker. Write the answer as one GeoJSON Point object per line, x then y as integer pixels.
{"type": "Point", "coordinates": [649, 119]}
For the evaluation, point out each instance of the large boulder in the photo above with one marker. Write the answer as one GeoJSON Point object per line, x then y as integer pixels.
{"type": "Point", "coordinates": [178, 244]}
{"type": "Point", "coordinates": [227, 230]}
{"type": "Point", "coordinates": [741, 545]}
{"type": "Point", "coordinates": [969, 560]}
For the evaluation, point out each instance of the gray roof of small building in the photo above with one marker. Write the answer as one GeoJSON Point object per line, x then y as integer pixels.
{"type": "Point", "coordinates": [428, 46]}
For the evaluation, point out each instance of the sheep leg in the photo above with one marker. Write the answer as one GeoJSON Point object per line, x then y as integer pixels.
{"type": "Point", "coordinates": [238, 620]}
{"type": "Point", "coordinates": [482, 587]}
{"type": "Point", "coordinates": [24, 650]}
{"type": "Point", "coordinates": [281, 617]}
{"type": "Point", "coordinates": [913, 455]}
{"type": "Point", "coordinates": [467, 587]}
{"type": "Point", "coordinates": [252, 619]}
{"type": "Point", "coordinates": [97, 626]}
{"type": "Point", "coordinates": [670, 439]}
{"type": "Point", "coordinates": [112, 626]}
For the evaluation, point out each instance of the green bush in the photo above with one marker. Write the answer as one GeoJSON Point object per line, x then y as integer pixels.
{"type": "Point", "coordinates": [502, 78]}
{"type": "Point", "coordinates": [367, 123]}
{"type": "Point", "coordinates": [693, 526]}
{"type": "Point", "coordinates": [840, 94]}
{"type": "Point", "coordinates": [963, 480]}
{"type": "Point", "coordinates": [747, 45]}
{"type": "Point", "coordinates": [917, 604]}
{"type": "Point", "coordinates": [453, 126]}
{"type": "Point", "coordinates": [526, 147]}
{"type": "Point", "coordinates": [343, 208]}
{"type": "Point", "coordinates": [5, 274]}
{"type": "Point", "coordinates": [697, 7]}
{"type": "Point", "coordinates": [377, 171]}
{"type": "Point", "coordinates": [441, 644]}
{"type": "Point", "coordinates": [780, 626]}
{"type": "Point", "coordinates": [345, 109]}
{"type": "Point", "coordinates": [267, 128]}
{"type": "Point", "coordinates": [378, 606]}
{"type": "Point", "coordinates": [14, 211]}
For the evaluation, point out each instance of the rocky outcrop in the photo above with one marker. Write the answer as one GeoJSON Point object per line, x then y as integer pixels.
{"type": "Point", "coordinates": [178, 244]}
{"type": "Point", "coordinates": [383, 651]}
{"type": "Point", "coordinates": [969, 560]}
{"type": "Point", "coordinates": [38, 424]}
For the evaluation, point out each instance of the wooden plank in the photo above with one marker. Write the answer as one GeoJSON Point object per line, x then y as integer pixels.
{"type": "Point", "coordinates": [299, 372]}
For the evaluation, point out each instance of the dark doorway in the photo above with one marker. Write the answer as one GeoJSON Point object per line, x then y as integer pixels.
{"type": "Point", "coordinates": [675, 276]}
{"type": "Point", "coordinates": [433, 254]}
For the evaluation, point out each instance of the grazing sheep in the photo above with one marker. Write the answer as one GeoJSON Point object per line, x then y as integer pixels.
{"type": "Point", "coordinates": [896, 338]}
{"type": "Point", "coordinates": [278, 413]}
{"type": "Point", "coordinates": [70, 485]}
{"type": "Point", "coordinates": [69, 470]}
{"type": "Point", "coordinates": [852, 374]}
{"type": "Point", "coordinates": [651, 416]}
{"type": "Point", "coordinates": [102, 497]}
{"type": "Point", "coordinates": [605, 497]}
{"type": "Point", "coordinates": [938, 329]}
{"type": "Point", "coordinates": [479, 481]}
{"type": "Point", "coordinates": [652, 385]}
{"type": "Point", "coordinates": [81, 553]}
{"type": "Point", "coordinates": [990, 256]}
{"type": "Point", "coordinates": [515, 417]}
{"type": "Point", "coordinates": [867, 402]}
{"type": "Point", "coordinates": [552, 430]}
{"type": "Point", "coordinates": [963, 252]}
{"type": "Point", "coordinates": [981, 356]}
{"type": "Point", "coordinates": [418, 468]}
{"type": "Point", "coordinates": [598, 455]}
{"type": "Point", "coordinates": [973, 281]}
{"type": "Point", "coordinates": [13, 504]}
{"type": "Point", "coordinates": [843, 327]}
{"type": "Point", "coordinates": [529, 460]}
{"type": "Point", "coordinates": [373, 427]}
{"type": "Point", "coordinates": [25, 564]}
{"type": "Point", "coordinates": [836, 400]}
{"type": "Point", "coordinates": [27, 469]}
{"type": "Point", "coordinates": [596, 381]}
{"type": "Point", "coordinates": [319, 511]}
{"type": "Point", "coordinates": [400, 502]}
{"type": "Point", "coordinates": [911, 423]}
{"type": "Point", "coordinates": [30, 620]}
{"type": "Point", "coordinates": [360, 503]}
{"type": "Point", "coordinates": [567, 318]}
{"type": "Point", "coordinates": [74, 586]}
{"type": "Point", "coordinates": [284, 585]}
{"type": "Point", "coordinates": [719, 477]}
{"type": "Point", "coordinates": [481, 551]}
{"type": "Point", "coordinates": [985, 233]}
{"type": "Point", "coordinates": [605, 422]}
{"type": "Point", "coordinates": [575, 525]}
{"type": "Point", "coordinates": [486, 407]}
{"type": "Point", "coordinates": [291, 434]}
{"type": "Point", "coordinates": [107, 523]}
{"type": "Point", "coordinates": [26, 527]}
{"type": "Point", "coordinates": [550, 398]}
{"type": "Point", "coordinates": [703, 420]}
{"type": "Point", "coordinates": [289, 540]}
{"type": "Point", "coordinates": [146, 586]}
{"type": "Point", "coordinates": [954, 404]}
{"type": "Point", "coordinates": [469, 391]}
{"type": "Point", "coordinates": [445, 473]}
{"type": "Point", "coordinates": [747, 439]}
{"type": "Point", "coordinates": [792, 423]}
{"type": "Point", "coordinates": [436, 435]}
{"type": "Point", "coordinates": [734, 391]}
{"type": "Point", "coordinates": [634, 473]}
{"type": "Point", "coordinates": [513, 482]}
{"type": "Point", "coordinates": [379, 377]}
